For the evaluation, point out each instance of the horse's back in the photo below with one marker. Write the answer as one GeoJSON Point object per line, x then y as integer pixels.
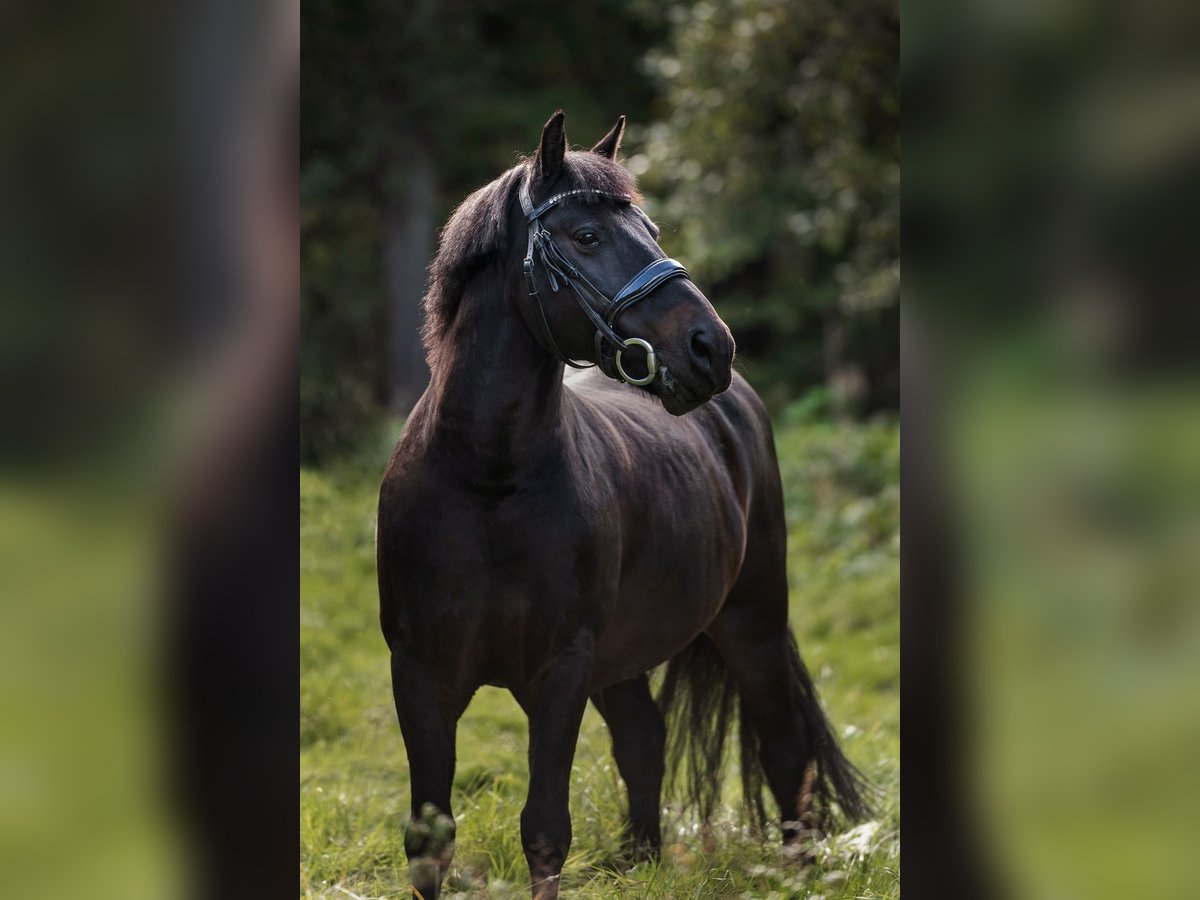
{"type": "Point", "coordinates": [734, 426]}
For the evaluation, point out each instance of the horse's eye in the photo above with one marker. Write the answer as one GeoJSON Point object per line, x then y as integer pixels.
{"type": "Point", "coordinates": [587, 238]}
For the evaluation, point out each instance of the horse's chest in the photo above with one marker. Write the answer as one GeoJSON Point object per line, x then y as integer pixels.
{"type": "Point", "coordinates": [492, 565]}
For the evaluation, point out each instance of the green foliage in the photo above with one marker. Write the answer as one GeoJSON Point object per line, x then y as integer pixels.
{"type": "Point", "coordinates": [777, 172]}
{"type": "Point", "coordinates": [842, 496]}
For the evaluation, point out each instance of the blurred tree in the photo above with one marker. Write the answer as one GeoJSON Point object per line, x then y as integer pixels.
{"type": "Point", "coordinates": [406, 108]}
{"type": "Point", "coordinates": [777, 174]}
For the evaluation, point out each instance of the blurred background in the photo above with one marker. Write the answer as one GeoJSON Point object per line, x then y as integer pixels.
{"type": "Point", "coordinates": [149, 312]}
{"type": "Point", "coordinates": [766, 136]}
{"type": "Point", "coordinates": [1051, 410]}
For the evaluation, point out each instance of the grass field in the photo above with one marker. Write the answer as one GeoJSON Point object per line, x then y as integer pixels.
{"type": "Point", "coordinates": [842, 485]}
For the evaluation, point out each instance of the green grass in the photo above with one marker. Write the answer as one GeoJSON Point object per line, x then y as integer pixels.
{"type": "Point", "coordinates": [843, 514]}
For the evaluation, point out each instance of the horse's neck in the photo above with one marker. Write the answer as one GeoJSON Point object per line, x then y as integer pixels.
{"type": "Point", "coordinates": [497, 395]}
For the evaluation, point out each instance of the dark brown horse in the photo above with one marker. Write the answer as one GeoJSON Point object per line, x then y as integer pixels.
{"type": "Point", "coordinates": [562, 538]}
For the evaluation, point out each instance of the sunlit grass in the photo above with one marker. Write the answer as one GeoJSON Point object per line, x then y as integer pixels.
{"type": "Point", "coordinates": [843, 514]}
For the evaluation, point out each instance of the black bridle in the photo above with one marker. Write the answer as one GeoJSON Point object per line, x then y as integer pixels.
{"type": "Point", "coordinates": [609, 345]}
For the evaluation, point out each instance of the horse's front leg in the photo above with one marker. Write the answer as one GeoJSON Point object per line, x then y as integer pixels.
{"type": "Point", "coordinates": [555, 706]}
{"type": "Point", "coordinates": [428, 714]}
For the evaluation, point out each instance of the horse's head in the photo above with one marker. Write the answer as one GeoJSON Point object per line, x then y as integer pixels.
{"type": "Point", "coordinates": [606, 290]}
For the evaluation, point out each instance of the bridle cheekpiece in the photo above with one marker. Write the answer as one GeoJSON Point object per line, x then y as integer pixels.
{"type": "Point", "coordinates": [609, 345]}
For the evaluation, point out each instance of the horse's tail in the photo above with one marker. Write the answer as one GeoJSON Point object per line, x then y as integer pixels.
{"type": "Point", "coordinates": [697, 702]}
{"type": "Point", "coordinates": [835, 779]}
{"type": "Point", "coordinates": [697, 699]}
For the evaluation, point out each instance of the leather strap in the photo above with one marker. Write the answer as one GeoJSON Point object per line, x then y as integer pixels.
{"type": "Point", "coordinates": [642, 284]}
{"type": "Point", "coordinates": [531, 214]}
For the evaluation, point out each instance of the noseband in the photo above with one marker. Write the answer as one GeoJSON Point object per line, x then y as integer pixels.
{"type": "Point", "coordinates": [609, 345]}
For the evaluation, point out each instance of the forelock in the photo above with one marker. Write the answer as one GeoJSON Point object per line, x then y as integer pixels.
{"type": "Point", "coordinates": [584, 169]}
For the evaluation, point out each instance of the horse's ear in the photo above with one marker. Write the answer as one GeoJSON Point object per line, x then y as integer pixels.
{"type": "Point", "coordinates": [553, 147]}
{"type": "Point", "coordinates": [611, 142]}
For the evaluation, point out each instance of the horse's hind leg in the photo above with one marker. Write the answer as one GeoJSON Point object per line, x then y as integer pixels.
{"type": "Point", "coordinates": [638, 737]}
{"type": "Point", "coordinates": [800, 759]}
{"type": "Point", "coordinates": [428, 715]}
{"type": "Point", "coordinates": [759, 661]}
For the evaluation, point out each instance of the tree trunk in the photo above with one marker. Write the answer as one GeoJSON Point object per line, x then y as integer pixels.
{"type": "Point", "coordinates": [408, 245]}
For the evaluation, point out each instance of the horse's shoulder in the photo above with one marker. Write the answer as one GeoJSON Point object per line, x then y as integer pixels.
{"type": "Point", "coordinates": [408, 470]}
{"type": "Point", "coordinates": [738, 410]}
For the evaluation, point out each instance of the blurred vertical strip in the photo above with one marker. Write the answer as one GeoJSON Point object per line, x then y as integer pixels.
{"type": "Point", "coordinates": [149, 308]}
{"type": "Point", "coordinates": [1052, 172]}
{"type": "Point", "coordinates": [232, 628]}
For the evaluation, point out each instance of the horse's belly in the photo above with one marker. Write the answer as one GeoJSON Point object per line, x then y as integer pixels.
{"type": "Point", "coordinates": [643, 642]}
{"type": "Point", "coordinates": [666, 598]}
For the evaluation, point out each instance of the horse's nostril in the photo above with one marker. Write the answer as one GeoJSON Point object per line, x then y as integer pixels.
{"type": "Point", "coordinates": [702, 349]}
{"type": "Point", "coordinates": [711, 351]}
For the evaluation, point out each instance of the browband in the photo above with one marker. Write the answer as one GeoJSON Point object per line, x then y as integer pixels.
{"type": "Point", "coordinates": [531, 213]}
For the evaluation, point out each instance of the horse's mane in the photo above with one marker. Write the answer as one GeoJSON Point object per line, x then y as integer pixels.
{"type": "Point", "coordinates": [477, 233]}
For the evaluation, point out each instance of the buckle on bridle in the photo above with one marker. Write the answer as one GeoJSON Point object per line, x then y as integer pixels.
{"type": "Point", "coordinates": [529, 279]}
